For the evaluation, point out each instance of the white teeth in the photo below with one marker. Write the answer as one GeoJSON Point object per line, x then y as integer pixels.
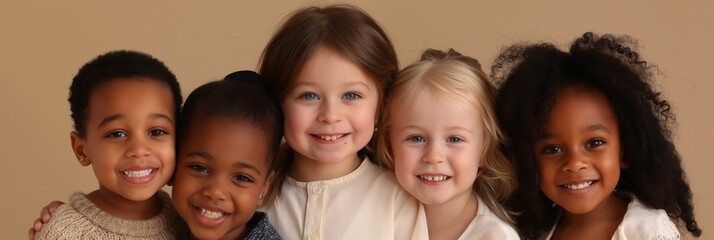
{"type": "Point", "coordinates": [330, 137]}
{"type": "Point", "coordinates": [142, 173]}
{"type": "Point", "coordinates": [210, 214]}
{"type": "Point", "coordinates": [433, 178]}
{"type": "Point", "coordinates": [578, 186]}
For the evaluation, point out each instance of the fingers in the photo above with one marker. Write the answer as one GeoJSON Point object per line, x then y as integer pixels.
{"type": "Point", "coordinates": [46, 212]}
{"type": "Point", "coordinates": [31, 233]}
{"type": "Point", "coordinates": [36, 226]}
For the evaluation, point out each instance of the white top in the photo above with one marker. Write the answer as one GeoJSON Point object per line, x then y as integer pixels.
{"type": "Point", "coordinates": [642, 222]}
{"type": "Point", "coordinates": [364, 204]}
{"type": "Point", "coordinates": [485, 225]}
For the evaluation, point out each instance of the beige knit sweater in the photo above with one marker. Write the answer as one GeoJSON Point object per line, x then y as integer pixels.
{"type": "Point", "coordinates": [82, 219]}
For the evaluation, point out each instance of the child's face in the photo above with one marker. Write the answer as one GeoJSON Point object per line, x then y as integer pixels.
{"type": "Point", "coordinates": [579, 156]}
{"type": "Point", "coordinates": [221, 176]}
{"type": "Point", "coordinates": [437, 143]}
{"type": "Point", "coordinates": [129, 137]}
{"type": "Point", "coordinates": [330, 109]}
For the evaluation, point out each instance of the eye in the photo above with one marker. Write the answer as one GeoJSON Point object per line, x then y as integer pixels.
{"type": "Point", "coordinates": [595, 143]}
{"type": "Point", "coordinates": [198, 168]}
{"type": "Point", "coordinates": [157, 132]}
{"type": "Point", "coordinates": [308, 96]}
{"type": "Point", "coordinates": [116, 134]}
{"type": "Point", "coordinates": [454, 139]}
{"type": "Point", "coordinates": [351, 96]}
{"type": "Point", "coordinates": [416, 138]}
{"type": "Point", "coordinates": [242, 178]}
{"type": "Point", "coordinates": [552, 149]}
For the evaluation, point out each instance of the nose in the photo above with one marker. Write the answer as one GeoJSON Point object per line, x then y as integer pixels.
{"type": "Point", "coordinates": [329, 112]}
{"type": "Point", "coordinates": [214, 189]}
{"type": "Point", "coordinates": [138, 147]}
{"type": "Point", "coordinates": [434, 153]}
{"type": "Point", "coordinates": [574, 161]}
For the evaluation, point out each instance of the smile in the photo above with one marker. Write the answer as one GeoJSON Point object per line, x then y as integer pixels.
{"type": "Point", "coordinates": [137, 174]}
{"type": "Point", "coordinates": [434, 178]}
{"type": "Point", "coordinates": [329, 137]}
{"type": "Point", "coordinates": [210, 214]}
{"type": "Point", "coordinates": [578, 186]}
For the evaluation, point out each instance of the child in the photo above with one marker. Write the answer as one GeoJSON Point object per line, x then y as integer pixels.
{"type": "Point", "coordinates": [328, 68]}
{"type": "Point", "coordinates": [440, 133]}
{"type": "Point", "coordinates": [124, 106]}
{"type": "Point", "coordinates": [586, 128]}
{"type": "Point", "coordinates": [229, 135]}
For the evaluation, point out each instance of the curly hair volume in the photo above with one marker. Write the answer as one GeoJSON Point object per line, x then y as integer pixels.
{"type": "Point", "coordinates": [528, 77]}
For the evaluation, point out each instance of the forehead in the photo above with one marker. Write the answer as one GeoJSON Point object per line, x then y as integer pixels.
{"type": "Point", "coordinates": [580, 106]}
{"type": "Point", "coordinates": [226, 139]}
{"type": "Point", "coordinates": [327, 67]}
{"type": "Point", "coordinates": [428, 106]}
{"type": "Point", "coordinates": [126, 95]}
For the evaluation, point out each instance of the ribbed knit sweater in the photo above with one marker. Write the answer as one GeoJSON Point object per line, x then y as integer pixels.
{"type": "Point", "coordinates": [82, 219]}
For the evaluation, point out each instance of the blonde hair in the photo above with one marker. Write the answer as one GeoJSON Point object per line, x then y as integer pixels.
{"type": "Point", "coordinates": [459, 76]}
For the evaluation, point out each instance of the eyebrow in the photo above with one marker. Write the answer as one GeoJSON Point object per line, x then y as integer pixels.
{"type": "Point", "coordinates": [210, 157]}
{"type": "Point", "coordinates": [115, 117]}
{"type": "Point", "coordinates": [592, 128]}
{"type": "Point", "coordinates": [597, 127]}
{"type": "Point", "coordinates": [350, 83]}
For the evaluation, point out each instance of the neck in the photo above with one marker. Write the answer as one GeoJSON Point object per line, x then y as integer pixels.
{"type": "Point", "coordinates": [603, 220]}
{"type": "Point", "coordinates": [118, 206]}
{"type": "Point", "coordinates": [448, 220]}
{"type": "Point", "coordinates": [305, 169]}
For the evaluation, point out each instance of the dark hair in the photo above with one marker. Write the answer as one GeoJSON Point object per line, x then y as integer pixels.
{"type": "Point", "coordinates": [242, 96]}
{"type": "Point", "coordinates": [529, 77]}
{"type": "Point", "coordinates": [111, 66]}
{"type": "Point", "coordinates": [345, 29]}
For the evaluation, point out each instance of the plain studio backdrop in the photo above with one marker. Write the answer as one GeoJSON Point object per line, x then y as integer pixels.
{"type": "Point", "coordinates": [43, 44]}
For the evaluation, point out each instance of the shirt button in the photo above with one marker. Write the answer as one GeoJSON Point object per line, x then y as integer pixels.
{"type": "Point", "coordinates": [316, 190]}
{"type": "Point", "coordinates": [312, 236]}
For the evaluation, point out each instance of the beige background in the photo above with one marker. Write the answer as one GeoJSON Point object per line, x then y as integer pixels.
{"type": "Point", "coordinates": [43, 43]}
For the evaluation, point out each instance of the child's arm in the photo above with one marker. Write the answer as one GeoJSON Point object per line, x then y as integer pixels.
{"type": "Point", "coordinates": [45, 215]}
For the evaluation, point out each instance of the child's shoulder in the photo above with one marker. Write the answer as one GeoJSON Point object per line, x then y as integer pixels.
{"type": "Point", "coordinates": [67, 221]}
{"type": "Point", "coordinates": [646, 223]}
{"type": "Point", "coordinates": [486, 225]}
{"type": "Point", "coordinates": [81, 218]}
{"type": "Point", "coordinates": [260, 228]}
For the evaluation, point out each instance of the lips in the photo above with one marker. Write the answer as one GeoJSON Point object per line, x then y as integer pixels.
{"type": "Point", "coordinates": [210, 218]}
{"type": "Point", "coordinates": [434, 178]}
{"type": "Point", "coordinates": [140, 173]}
{"type": "Point", "coordinates": [578, 185]}
{"type": "Point", "coordinates": [139, 176]}
{"type": "Point", "coordinates": [330, 137]}
{"type": "Point", "coordinates": [211, 214]}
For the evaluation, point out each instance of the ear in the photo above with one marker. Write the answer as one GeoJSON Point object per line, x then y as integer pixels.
{"type": "Point", "coordinates": [79, 147]}
{"type": "Point", "coordinates": [265, 188]}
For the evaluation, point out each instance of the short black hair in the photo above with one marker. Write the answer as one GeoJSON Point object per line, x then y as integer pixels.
{"type": "Point", "coordinates": [110, 66]}
{"type": "Point", "coordinates": [529, 77]}
{"type": "Point", "coordinates": [241, 96]}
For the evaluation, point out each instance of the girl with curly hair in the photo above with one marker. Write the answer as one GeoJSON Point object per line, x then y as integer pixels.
{"type": "Point", "coordinates": [591, 142]}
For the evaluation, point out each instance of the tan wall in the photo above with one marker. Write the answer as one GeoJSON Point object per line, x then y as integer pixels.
{"type": "Point", "coordinates": [43, 43]}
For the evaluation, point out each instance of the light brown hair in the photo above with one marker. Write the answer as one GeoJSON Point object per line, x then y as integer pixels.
{"type": "Point", "coordinates": [345, 29]}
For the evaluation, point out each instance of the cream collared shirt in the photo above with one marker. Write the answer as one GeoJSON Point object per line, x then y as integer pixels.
{"type": "Point", "coordinates": [367, 203]}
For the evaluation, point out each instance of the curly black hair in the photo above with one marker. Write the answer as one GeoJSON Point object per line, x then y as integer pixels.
{"type": "Point", "coordinates": [242, 96]}
{"type": "Point", "coordinates": [528, 77]}
{"type": "Point", "coordinates": [110, 66]}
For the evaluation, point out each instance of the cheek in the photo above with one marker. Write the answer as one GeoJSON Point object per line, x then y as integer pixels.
{"type": "Point", "coordinates": [294, 121]}
{"type": "Point", "coordinates": [545, 173]}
